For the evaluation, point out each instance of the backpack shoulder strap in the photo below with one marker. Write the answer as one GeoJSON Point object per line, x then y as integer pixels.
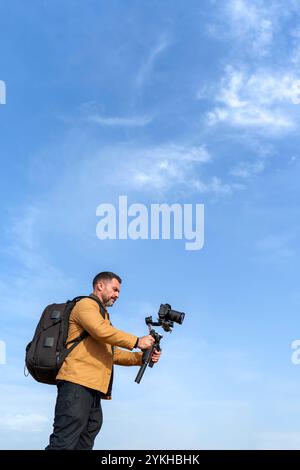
{"type": "Point", "coordinates": [93, 297]}
{"type": "Point", "coordinates": [85, 334]}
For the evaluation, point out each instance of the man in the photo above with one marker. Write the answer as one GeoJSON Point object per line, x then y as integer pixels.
{"type": "Point", "coordinates": [86, 375]}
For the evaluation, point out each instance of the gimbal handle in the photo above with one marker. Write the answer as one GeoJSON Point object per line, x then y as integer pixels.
{"type": "Point", "coordinates": [147, 353]}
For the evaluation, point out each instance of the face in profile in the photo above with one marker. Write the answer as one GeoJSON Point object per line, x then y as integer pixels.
{"type": "Point", "coordinates": [110, 291]}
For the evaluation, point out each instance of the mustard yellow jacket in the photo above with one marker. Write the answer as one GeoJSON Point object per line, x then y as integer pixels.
{"type": "Point", "coordinates": [91, 362]}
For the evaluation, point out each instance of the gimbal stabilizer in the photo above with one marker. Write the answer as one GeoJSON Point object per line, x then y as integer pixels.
{"type": "Point", "coordinates": [166, 319]}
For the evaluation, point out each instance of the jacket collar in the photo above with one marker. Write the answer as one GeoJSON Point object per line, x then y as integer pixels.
{"type": "Point", "coordinates": [98, 300]}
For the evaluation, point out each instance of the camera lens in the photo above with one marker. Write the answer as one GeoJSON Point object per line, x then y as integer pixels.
{"type": "Point", "coordinates": [175, 316]}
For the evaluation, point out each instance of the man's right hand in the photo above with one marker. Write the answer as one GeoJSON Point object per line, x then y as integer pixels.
{"type": "Point", "coordinates": [145, 342]}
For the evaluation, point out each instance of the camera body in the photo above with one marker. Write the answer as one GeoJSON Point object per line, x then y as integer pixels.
{"type": "Point", "coordinates": [166, 317]}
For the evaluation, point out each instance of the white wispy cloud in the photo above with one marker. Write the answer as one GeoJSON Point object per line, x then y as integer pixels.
{"type": "Point", "coordinates": [246, 169]}
{"type": "Point", "coordinates": [215, 186]}
{"type": "Point", "coordinates": [254, 27]}
{"type": "Point", "coordinates": [148, 64]}
{"type": "Point", "coordinates": [252, 21]}
{"type": "Point", "coordinates": [33, 422]}
{"type": "Point", "coordinates": [251, 94]}
{"type": "Point", "coordinates": [26, 411]}
{"type": "Point", "coordinates": [263, 99]}
{"type": "Point", "coordinates": [163, 168]}
{"type": "Point", "coordinates": [132, 121]}
{"type": "Point", "coordinates": [131, 166]}
{"type": "Point", "coordinates": [295, 46]}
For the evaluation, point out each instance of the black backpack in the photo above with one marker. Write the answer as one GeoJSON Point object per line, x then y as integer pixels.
{"type": "Point", "coordinates": [48, 348]}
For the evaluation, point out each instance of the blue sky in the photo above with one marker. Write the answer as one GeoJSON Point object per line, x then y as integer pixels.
{"type": "Point", "coordinates": [165, 102]}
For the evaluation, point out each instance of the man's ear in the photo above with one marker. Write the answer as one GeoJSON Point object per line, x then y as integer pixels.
{"type": "Point", "coordinates": [100, 285]}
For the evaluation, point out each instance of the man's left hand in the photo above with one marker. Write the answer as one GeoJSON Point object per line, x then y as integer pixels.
{"type": "Point", "coordinates": [155, 355]}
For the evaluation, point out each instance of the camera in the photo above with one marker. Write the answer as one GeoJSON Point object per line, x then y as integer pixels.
{"type": "Point", "coordinates": [166, 317]}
